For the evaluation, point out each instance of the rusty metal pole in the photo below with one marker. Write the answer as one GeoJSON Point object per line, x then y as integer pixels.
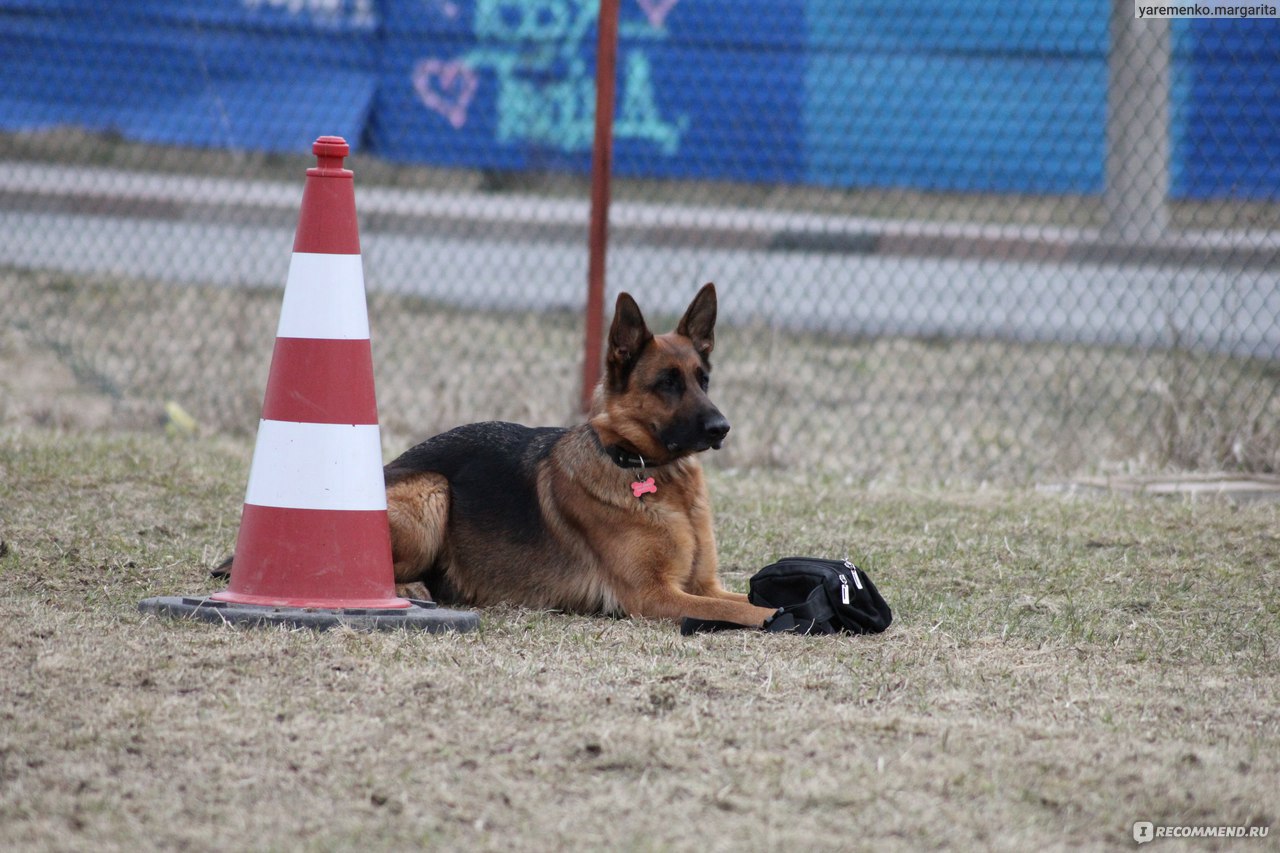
{"type": "Point", "coordinates": [601, 169]}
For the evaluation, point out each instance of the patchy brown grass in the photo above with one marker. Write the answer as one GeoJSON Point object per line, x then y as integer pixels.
{"type": "Point", "coordinates": [1059, 668]}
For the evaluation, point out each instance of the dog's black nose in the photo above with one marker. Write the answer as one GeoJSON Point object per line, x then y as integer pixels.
{"type": "Point", "coordinates": [715, 428]}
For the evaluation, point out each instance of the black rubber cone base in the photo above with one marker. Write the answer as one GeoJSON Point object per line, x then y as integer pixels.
{"type": "Point", "coordinates": [421, 616]}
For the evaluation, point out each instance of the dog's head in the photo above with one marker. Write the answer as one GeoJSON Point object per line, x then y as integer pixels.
{"type": "Point", "coordinates": [653, 400]}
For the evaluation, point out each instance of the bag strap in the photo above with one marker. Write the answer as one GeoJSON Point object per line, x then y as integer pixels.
{"type": "Point", "coordinates": [805, 617]}
{"type": "Point", "coordinates": [690, 625]}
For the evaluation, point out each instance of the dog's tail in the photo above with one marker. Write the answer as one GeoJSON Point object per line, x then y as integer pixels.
{"type": "Point", "coordinates": [223, 569]}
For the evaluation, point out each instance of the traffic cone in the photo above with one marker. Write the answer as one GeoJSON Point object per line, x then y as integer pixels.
{"type": "Point", "coordinates": [314, 546]}
{"type": "Point", "coordinates": [314, 530]}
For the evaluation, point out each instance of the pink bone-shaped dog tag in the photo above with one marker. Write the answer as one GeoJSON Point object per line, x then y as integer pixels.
{"type": "Point", "coordinates": [640, 488]}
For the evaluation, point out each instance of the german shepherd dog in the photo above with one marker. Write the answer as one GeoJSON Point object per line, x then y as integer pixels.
{"type": "Point", "coordinates": [609, 517]}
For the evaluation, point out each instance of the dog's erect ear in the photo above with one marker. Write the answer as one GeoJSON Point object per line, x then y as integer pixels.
{"type": "Point", "coordinates": [699, 321]}
{"type": "Point", "coordinates": [627, 339]}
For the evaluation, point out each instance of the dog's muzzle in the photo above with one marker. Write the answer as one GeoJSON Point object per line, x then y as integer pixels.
{"type": "Point", "coordinates": [695, 435]}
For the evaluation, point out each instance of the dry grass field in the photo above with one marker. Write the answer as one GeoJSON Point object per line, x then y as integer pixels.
{"type": "Point", "coordinates": [1060, 667]}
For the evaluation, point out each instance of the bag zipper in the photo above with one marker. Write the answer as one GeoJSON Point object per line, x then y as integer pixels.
{"type": "Point", "coordinates": [853, 572]}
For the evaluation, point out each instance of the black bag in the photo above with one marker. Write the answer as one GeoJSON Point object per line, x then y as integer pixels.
{"type": "Point", "coordinates": [817, 596]}
{"type": "Point", "coordinates": [812, 596]}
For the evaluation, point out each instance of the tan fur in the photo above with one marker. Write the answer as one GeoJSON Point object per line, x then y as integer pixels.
{"type": "Point", "coordinates": [418, 509]}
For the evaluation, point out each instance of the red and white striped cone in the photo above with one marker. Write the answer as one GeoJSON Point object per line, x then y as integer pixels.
{"type": "Point", "coordinates": [314, 538]}
{"type": "Point", "coordinates": [314, 530]}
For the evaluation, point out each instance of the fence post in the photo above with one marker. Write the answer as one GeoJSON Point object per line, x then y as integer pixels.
{"type": "Point", "coordinates": [1138, 147]}
{"type": "Point", "coordinates": [601, 169]}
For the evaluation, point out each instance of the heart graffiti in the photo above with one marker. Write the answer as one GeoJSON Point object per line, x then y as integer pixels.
{"type": "Point", "coordinates": [446, 86]}
{"type": "Point", "coordinates": [656, 10]}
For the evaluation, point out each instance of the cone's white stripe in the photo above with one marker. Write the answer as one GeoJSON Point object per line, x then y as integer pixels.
{"type": "Point", "coordinates": [317, 466]}
{"type": "Point", "coordinates": [324, 298]}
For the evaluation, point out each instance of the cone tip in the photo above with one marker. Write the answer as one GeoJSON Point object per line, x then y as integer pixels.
{"type": "Point", "coordinates": [330, 151]}
{"type": "Point", "coordinates": [331, 146]}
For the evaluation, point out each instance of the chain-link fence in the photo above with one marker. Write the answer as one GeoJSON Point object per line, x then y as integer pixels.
{"type": "Point", "coordinates": [964, 238]}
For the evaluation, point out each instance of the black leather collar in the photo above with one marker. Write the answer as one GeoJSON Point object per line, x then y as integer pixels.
{"type": "Point", "coordinates": [624, 458]}
{"type": "Point", "coordinates": [620, 456]}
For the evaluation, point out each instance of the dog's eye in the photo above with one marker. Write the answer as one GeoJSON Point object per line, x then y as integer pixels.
{"type": "Point", "coordinates": [669, 382]}
{"type": "Point", "coordinates": [704, 381]}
